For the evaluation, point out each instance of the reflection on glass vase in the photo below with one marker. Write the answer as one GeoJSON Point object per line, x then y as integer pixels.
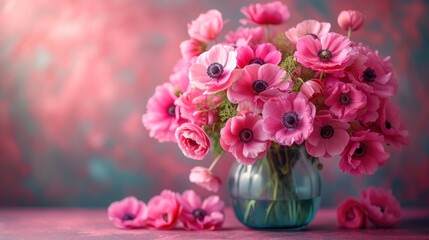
{"type": "Point", "coordinates": [281, 190]}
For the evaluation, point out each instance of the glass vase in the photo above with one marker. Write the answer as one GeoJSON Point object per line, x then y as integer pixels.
{"type": "Point", "coordinates": [281, 190]}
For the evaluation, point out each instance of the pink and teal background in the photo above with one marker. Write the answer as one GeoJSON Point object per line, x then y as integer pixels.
{"type": "Point", "coordinates": [75, 77]}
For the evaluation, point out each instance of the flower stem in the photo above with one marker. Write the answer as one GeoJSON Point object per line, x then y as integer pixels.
{"type": "Point", "coordinates": [349, 32]}
{"type": "Point", "coordinates": [215, 161]}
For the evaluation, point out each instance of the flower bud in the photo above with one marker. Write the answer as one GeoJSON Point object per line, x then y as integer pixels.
{"type": "Point", "coordinates": [350, 19]}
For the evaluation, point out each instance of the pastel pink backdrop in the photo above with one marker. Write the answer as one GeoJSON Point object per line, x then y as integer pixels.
{"type": "Point", "coordinates": [75, 77]}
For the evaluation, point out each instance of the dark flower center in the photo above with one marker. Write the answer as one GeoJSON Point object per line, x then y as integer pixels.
{"type": "Point", "coordinates": [215, 70]}
{"type": "Point", "coordinates": [387, 124]}
{"type": "Point", "coordinates": [369, 75]}
{"type": "Point", "coordinates": [290, 120]}
{"type": "Point", "coordinates": [246, 135]}
{"type": "Point", "coordinates": [360, 151]}
{"type": "Point", "coordinates": [327, 132]}
{"type": "Point", "coordinates": [257, 61]}
{"type": "Point", "coordinates": [199, 214]}
{"type": "Point", "coordinates": [259, 85]}
{"type": "Point", "coordinates": [171, 111]}
{"type": "Point", "coordinates": [324, 54]}
{"type": "Point", "coordinates": [345, 99]}
{"type": "Point", "coordinates": [313, 35]}
{"type": "Point", "coordinates": [128, 217]}
{"type": "Point", "coordinates": [382, 209]}
{"type": "Point", "coordinates": [165, 217]}
{"type": "Point", "coordinates": [350, 215]}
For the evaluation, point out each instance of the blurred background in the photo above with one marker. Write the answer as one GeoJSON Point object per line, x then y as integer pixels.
{"type": "Point", "coordinates": [75, 77]}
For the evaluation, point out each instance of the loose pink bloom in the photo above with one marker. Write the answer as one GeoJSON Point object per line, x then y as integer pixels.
{"type": "Point", "coordinates": [344, 100]}
{"type": "Point", "coordinates": [308, 27]}
{"type": "Point", "coordinates": [248, 35]}
{"type": "Point", "coordinates": [257, 84]}
{"type": "Point", "coordinates": [364, 154]}
{"type": "Point", "coordinates": [244, 138]}
{"type": "Point", "coordinates": [369, 113]}
{"type": "Point", "coordinates": [193, 141]}
{"type": "Point", "coordinates": [391, 125]}
{"type": "Point", "coordinates": [164, 210]}
{"type": "Point", "coordinates": [198, 108]}
{"type": "Point", "coordinates": [329, 136]}
{"type": "Point", "coordinates": [128, 213]}
{"type": "Point", "coordinates": [330, 53]}
{"type": "Point", "coordinates": [162, 117]}
{"type": "Point", "coordinates": [351, 214]}
{"type": "Point", "coordinates": [382, 207]}
{"type": "Point", "coordinates": [179, 78]}
{"type": "Point", "coordinates": [192, 48]}
{"type": "Point", "coordinates": [350, 19]}
{"type": "Point", "coordinates": [201, 215]}
{"type": "Point", "coordinates": [269, 13]}
{"type": "Point", "coordinates": [207, 26]}
{"type": "Point", "coordinates": [259, 54]}
{"type": "Point", "coordinates": [214, 69]}
{"type": "Point", "coordinates": [311, 87]}
{"type": "Point", "coordinates": [289, 120]}
{"type": "Point", "coordinates": [205, 178]}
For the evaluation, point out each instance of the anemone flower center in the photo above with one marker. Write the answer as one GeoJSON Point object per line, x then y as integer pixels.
{"type": "Point", "coordinates": [345, 99]}
{"type": "Point", "coordinates": [259, 85]}
{"type": "Point", "coordinates": [327, 132]}
{"type": "Point", "coordinates": [199, 214]}
{"type": "Point", "coordinates": [324, 54]}
{"type": "Point", "coordinates": [128, 217]}
{"type": "Point", "coordinates": [313, 35]}
{"type": "Point", "coordinates": [165, 217]}
{"type": "Point", "coordinates": [388, 125]}
{"type": "Point", "coordinates": [257, 61]}
{"type": "Point", "coordinates": [246, 135]}
{"type": "Point", "coordinates": [369, 75]}
{"type": "Point", "coordinates": [360, 151]}
{"type": "Point", "coordinates": [171, 111]}
{"type": "Point", "coordinates": [290, 120]}
{"type": "Point", "coordinates": [215, 70]}
{"type": "Point", "coordinates": [350, 215]}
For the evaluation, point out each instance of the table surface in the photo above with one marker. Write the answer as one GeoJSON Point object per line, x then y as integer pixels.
{"type": "Point", "coordinates": [78, 223]}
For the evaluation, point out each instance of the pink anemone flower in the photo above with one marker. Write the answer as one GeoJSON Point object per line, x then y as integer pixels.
{"type": "Point", "coordinates": [259, 54]}
{"type": "Point", "coordinates": [329, 53]}
{"type": "Point", "coordinates": [269, 13]}
{"type": "Point", "coordinates": [207, 26]}
{"type": "Point", "coordinates": [244, 138]}
{"type": "Point", "coordinates": [214, 70]}
{"type": "Point", "coordinates": [350, 20]}
{"type": "Point", "coordinates": [364, 154]}
{"type": "Point", "coordinates": [204, 177]}
{"type": "Point", "coordinates": [128, 213]}
{"type": "Point", "coordinates": [391, 125]}
{"type": "Point", "coordinates": [201, 215]}
{"type": "Point", "coordinates": [310, 27]}
{"type": "Point", "coordinates": [382, 207]}
{"type": "Point", "coordinates": [289, 119]}
{"type": "Point", "coordinates": [164, 210]}
{"type": "Point", "coordinates": [248, 35]}
{"type": "Point", "coordinates": [192, 48]}
{"type": "Point", "coordinates": [329, 136]}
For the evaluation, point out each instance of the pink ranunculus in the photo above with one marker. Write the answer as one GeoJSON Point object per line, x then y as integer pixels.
{"type": "Point", "coordinates": [198, 108]}
{"type": "Point", "coordinates": [311, 87]}
{"type": "Point", "coordinates": [259, 54]}
{"type": "Point", "coordinates": [308, 27]}
{"type": "Point", "coordinates": [164, 210]}
{"type": "Point", "coordinates": [162, 117]}
{"type": "Point", "coordinates": [382, 207]}
{"type": "Point", "coordinates": [329, 136]}
{"type": "Point", "coordinates": [244, 138]}
{"type": "Point", "coordinates": [204, 177]}
{"type": "Point", "coordinates": [364, 154]}
{"type": "Point", "coordinates": [391, 125]}
{"type": "Point", "coordinates": [351, 214]}
{"type": "Point", "coordinates": [269, 13]}
{"type": "Point", "coordinates": [249, 35]}
{"type": "Point", "coordinates": [289, 119]}
{"type": "Point", "coordinates": [344, 100]}
{"type": "Point", "coordinates": [329, 53]}
{"type": "Point", "coordinates": [192, 48]}
{"type": "Point", "coordinates": [214, 70]}
{"type": "Point", "coordinates": [207, 26]}
{"type": "Point", "coordinates": [128, 213]}
{"type": "Point", "coordinates": [257, 84]}
{"type": "Point", "coordinates": [193, 141]}
{"type": "Point", "coordinates": [350, 19]}
{"type": "Point", "coordinates": [201, 215]}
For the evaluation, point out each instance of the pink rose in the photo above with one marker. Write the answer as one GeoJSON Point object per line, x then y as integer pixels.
{"type": "Point", "coordinates": [164, 210]}
{"type": "Point", "coordinates": [382, 207]}
{"type": "Point", "coordinates": [351, 214]}
{"type": "Point", "coordinates": [193, 141]}
{"type": "Point", "coordinates": [128, 213]}
{"type": "Point", "coordinates": [350, 19]}
{"type": "Point", "coordinates": [204, 178]}
{"type": "Point", "coordinates": [207, 26]}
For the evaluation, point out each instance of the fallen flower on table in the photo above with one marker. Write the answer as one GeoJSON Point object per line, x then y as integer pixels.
{"type": "Point", "coordinates": [128, 213]}
{"type": "Point", "coordinates": [351, 214]}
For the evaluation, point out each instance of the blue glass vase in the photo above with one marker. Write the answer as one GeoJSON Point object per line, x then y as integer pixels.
{"type": "Point", "coordinates": [280, 191]}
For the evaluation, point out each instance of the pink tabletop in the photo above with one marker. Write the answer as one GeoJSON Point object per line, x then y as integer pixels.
{"type": "Point", "coordinates": [72, 223]}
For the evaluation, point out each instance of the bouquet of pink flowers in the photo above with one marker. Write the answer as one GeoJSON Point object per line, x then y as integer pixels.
{"type": "Point", "coordinates": [257, 89]}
